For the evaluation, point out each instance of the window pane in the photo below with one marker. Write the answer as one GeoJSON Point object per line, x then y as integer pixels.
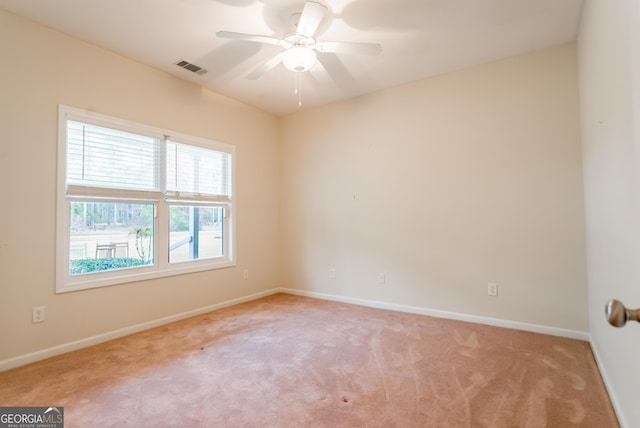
{"type": "Point", "coordinates": [197, 170]}
{"type": "Point", "coordinates": [109, 236]}
{"type": "Point", "coordinates": [103, 157]}
{"type": "Point", "coordinates": [195, 233]}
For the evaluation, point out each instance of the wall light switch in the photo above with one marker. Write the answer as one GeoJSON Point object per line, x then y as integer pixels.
{"type": "Point", "coordinates": [492, 289]}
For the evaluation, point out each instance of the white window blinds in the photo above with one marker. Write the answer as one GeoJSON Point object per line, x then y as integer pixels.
{"type": "Point", "coordinates": [196, 173]}
{"type": "Point", "coordinates": [100, 160]}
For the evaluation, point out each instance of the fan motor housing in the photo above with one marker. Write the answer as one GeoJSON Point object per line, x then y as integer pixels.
{"type": "Point", "coordinates": [295, 39]}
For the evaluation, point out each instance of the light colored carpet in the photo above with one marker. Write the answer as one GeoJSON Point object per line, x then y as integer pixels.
{"type": "Point", "coordinates": [289, 361]}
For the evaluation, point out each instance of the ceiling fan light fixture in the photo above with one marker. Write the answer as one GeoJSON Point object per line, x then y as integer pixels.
{"type": "Point", "coordinates": [299, 58]}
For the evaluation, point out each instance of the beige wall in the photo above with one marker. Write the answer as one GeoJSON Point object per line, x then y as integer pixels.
{"type": "Point", "coordinates": [40, 69]}
{"type": "Point", "coordinates": [609, 48]}
{"type": "Point", "coordinates": [445, 185]}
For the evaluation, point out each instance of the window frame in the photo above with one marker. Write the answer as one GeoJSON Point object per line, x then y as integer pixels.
{"type": "Point", "coordinates": [161, 266]}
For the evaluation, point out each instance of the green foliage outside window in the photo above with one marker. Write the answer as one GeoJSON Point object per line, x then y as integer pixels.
{"type": "Point", "coordinates": [78, 267]}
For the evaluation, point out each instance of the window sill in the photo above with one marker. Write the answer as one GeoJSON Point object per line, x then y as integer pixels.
{"type": "Point", "coordinates": [89, 281]}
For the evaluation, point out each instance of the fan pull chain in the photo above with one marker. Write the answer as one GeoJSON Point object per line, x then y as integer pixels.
{"type": "Point", "coordinates": [298, 90]}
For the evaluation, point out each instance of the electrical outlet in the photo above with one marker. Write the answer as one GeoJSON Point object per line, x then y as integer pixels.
{"type": "Point", "coordinates": [245, 274]}
{"type": "Point", "coordinates": [332, 273]}
{"type": "Point", "coordinates": [381, 278]}
{"type": "Point", "coordinates": [37, 314]}
{"type": "Point", "coordinates": [492, 289]}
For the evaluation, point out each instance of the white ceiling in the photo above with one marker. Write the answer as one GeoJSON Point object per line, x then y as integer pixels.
{"type": "Point", "coordinates": [419, 38]}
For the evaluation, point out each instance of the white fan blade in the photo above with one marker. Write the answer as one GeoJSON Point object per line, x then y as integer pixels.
{"type": "Point", "coordinates": [226, 57]}
{"type": "Point", "coordinates": [320, 75]}
{"type": "Point", "coordinates": [310, 19]}
{"type": "Point", "coordinates": [264, 68]}
{"type": "Point", "coordinates": [338, 72]}
{"type": "Point", "coordinates": [371, 49]}
{"type": "Point", "coordinates": [249, 37]}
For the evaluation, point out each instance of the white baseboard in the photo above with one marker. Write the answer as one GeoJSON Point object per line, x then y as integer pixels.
{"type": "Point", "coordinates": [22, 360]}
{"type": "Point", "coordinates": [534, 328]}
{"type": "Point", "coordinates": [622, 420]}
{"type": "Point", "coordinates": [32, 357]}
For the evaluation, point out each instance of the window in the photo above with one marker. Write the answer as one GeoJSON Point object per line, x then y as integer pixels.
{"type": "Point", "coordinates": [137, 202]}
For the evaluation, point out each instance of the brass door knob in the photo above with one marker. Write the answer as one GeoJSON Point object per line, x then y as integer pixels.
{"type": "Point", "coordinates": [618, 315]}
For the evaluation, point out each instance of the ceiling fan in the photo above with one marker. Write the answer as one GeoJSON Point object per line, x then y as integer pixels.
{"type": "Point", "coordinates": [300, 47]}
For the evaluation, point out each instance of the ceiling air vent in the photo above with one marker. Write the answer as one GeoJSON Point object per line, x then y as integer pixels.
{"type": "Point", "coordinates": [191, 67]}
